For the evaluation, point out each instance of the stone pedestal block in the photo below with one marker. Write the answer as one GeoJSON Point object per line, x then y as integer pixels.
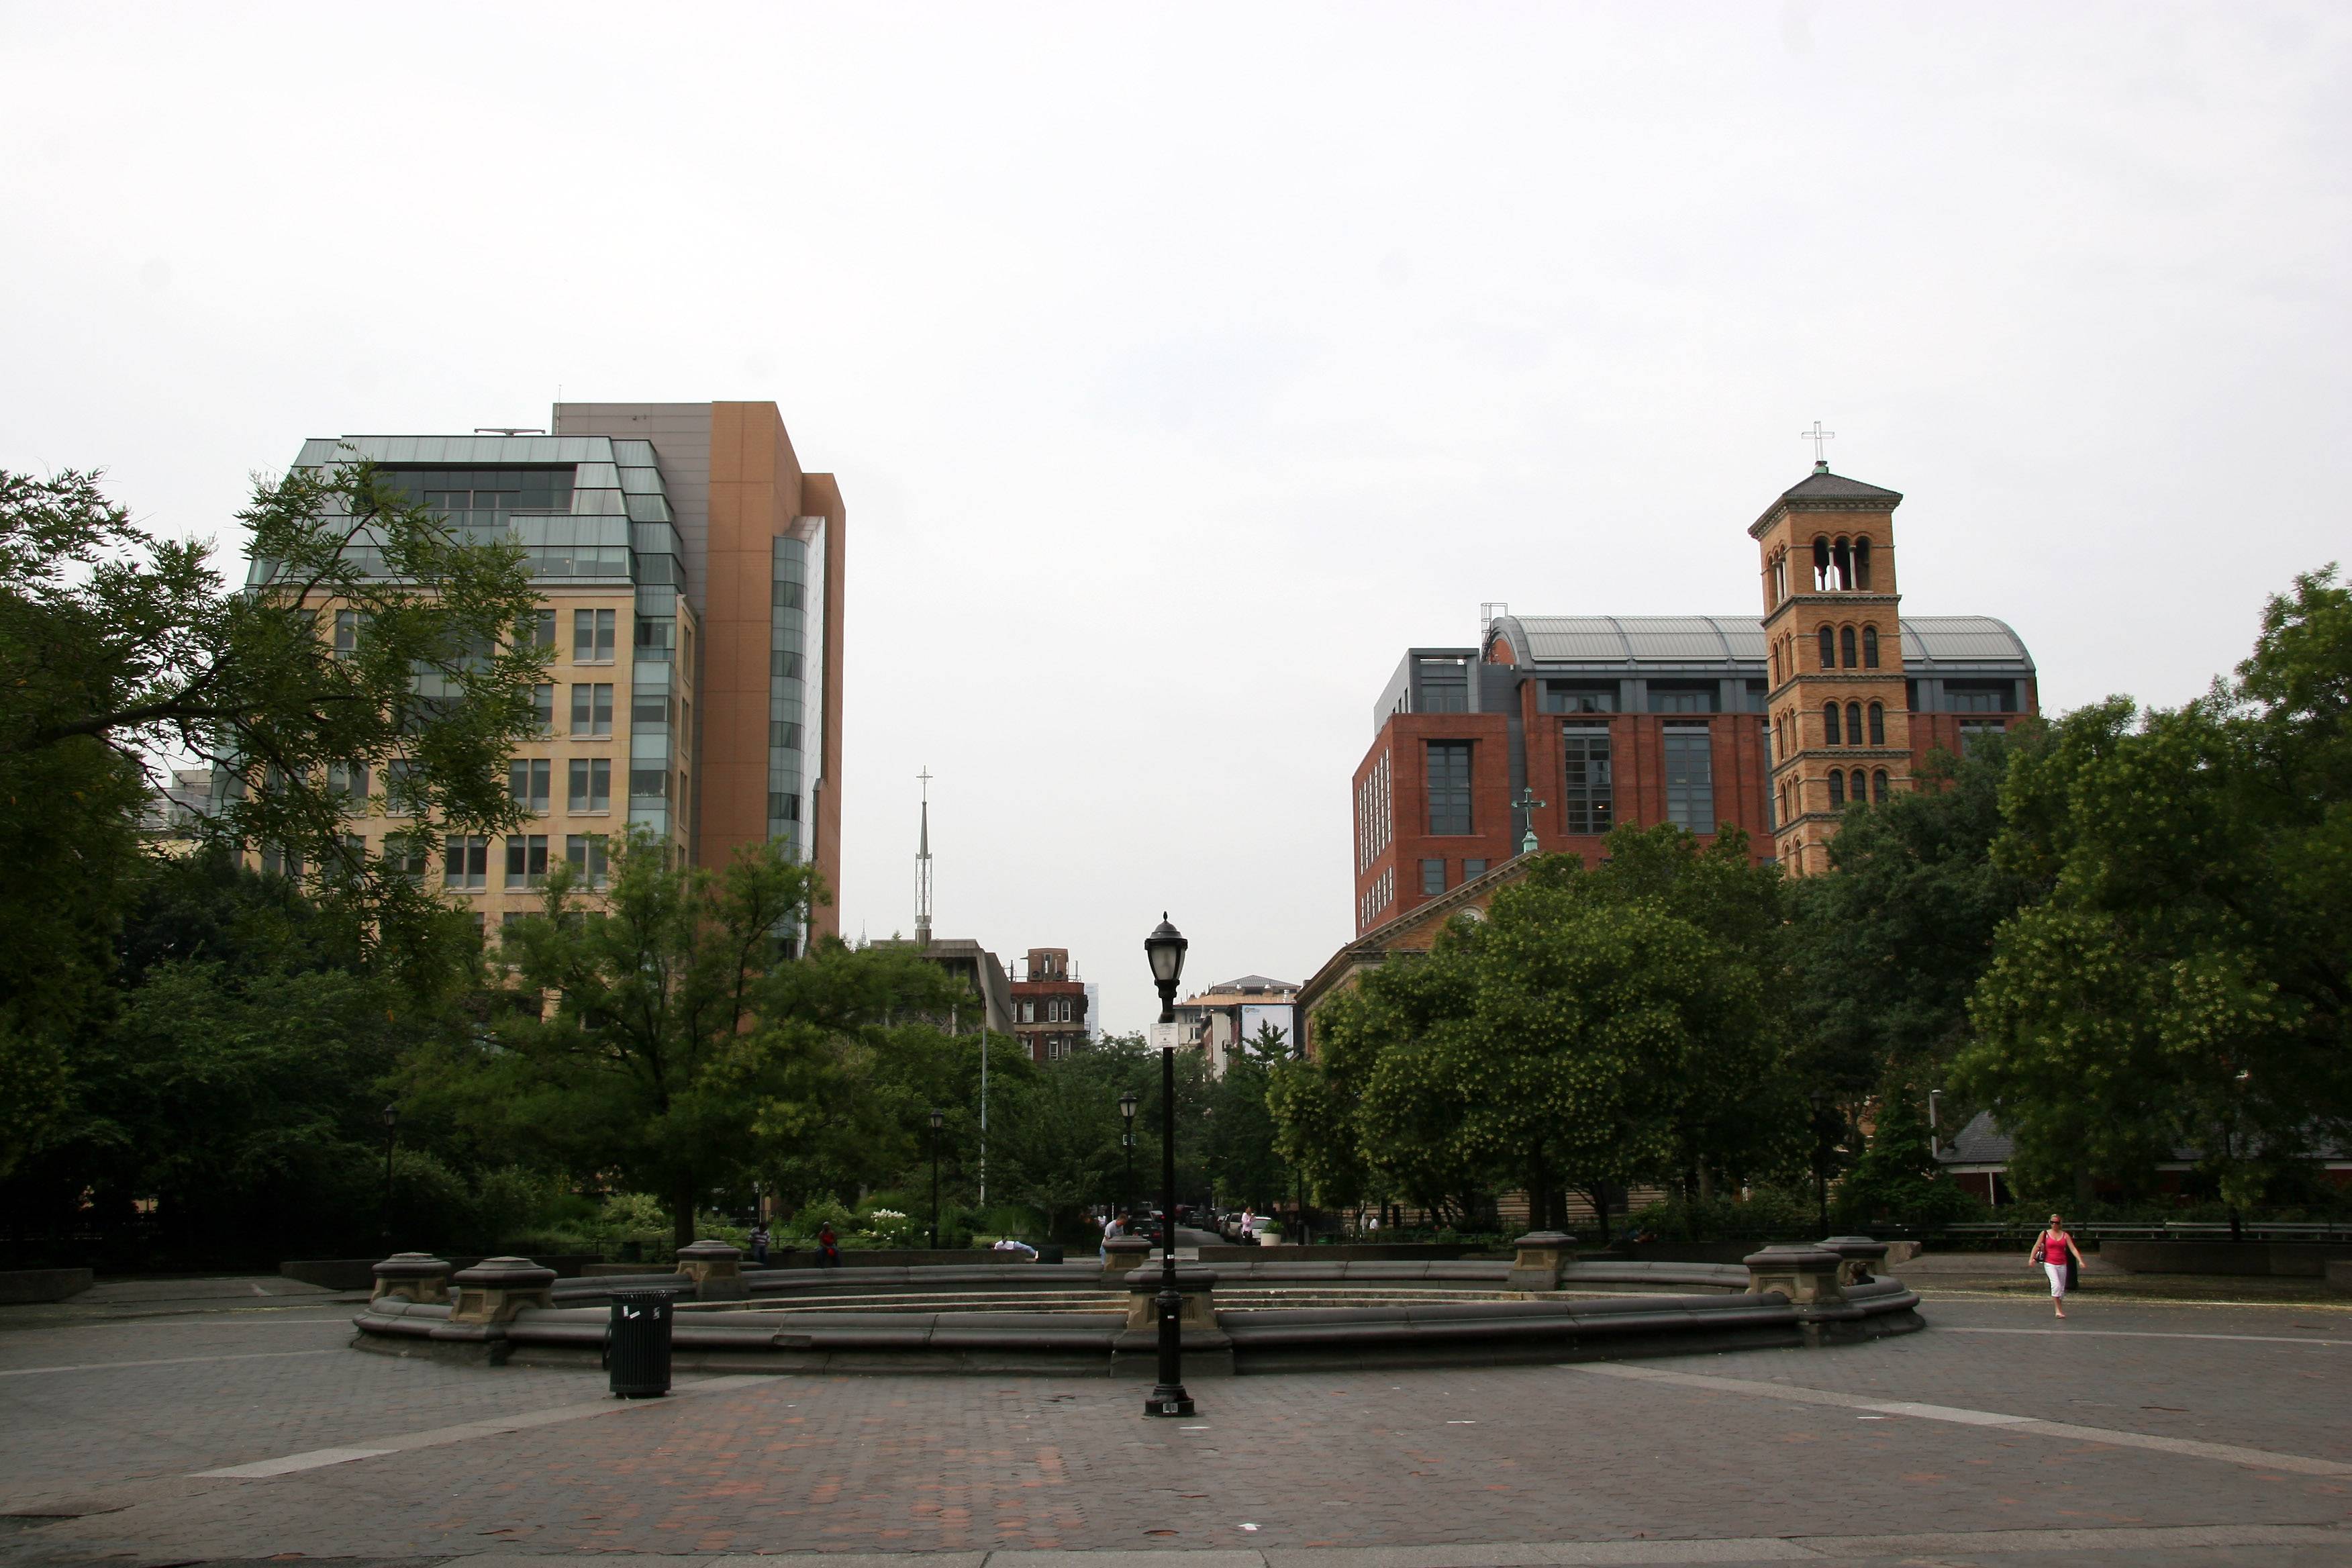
{"type": "Point", "coordinates": [1197, 1286]}
{"type": "Point", "coordinates": [412, 1276]}
{"type": "Point", "coordinates": [1805, 1275]}
{"type": "Point", "coordinates": [716, 1270]}
{"type": "Point", "coordinates": [1863, 1257]}
{"type": "Point", "coordinates": [1122, 1254]}
{"type": "Point", "coordinates": [1542, 1253]}
{"type": "Point", "coordinates": [496, 1288]}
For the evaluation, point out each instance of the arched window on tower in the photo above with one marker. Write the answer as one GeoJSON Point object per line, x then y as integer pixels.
{"type": "Point", "coordinates": [1870, 647]}
{"type": "Point", "coordinates": [1853, 723]}
{"type": "Point", "coordinates": [1831, 730]}
{"type": "Point", "coordinates": [1878, 787]}
{"type": "Point", "coordinates": [1841, 565]}
{"type": "Point", "coordinates": [1858, 796]}
{"type": "Point", "coordinates": [1862, 563]}
{"type": "Point", "coordinates": [1878, 724]}
{"type": "Point", "coordinates": [1837, 790]}
{"type": "Point", "coordinates": [1775, 664]}
{"type": "Point", "coordinates": [1822, 563]}
{"type": "Point", "coordinates": [1829, 648]}
{"type": "Point", "coordinates": [1845, 647]}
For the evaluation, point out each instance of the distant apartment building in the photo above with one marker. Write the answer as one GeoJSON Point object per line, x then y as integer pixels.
{"type": "Point", "coordinates": [692, 581]}
{"type": "Point", "coordinates": [1050, 1011]}
{"type": "Point", "coordinates": [1220, 1020]}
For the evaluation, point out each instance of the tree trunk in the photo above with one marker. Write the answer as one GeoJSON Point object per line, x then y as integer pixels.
{"type": "Point", "coordinates": [1706, 1183]}
{"type": "Point", "coordinates": [681, 1213]}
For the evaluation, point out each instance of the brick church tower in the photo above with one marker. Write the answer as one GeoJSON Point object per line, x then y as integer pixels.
{"type": "Point", "coordinates": [1839, 718]}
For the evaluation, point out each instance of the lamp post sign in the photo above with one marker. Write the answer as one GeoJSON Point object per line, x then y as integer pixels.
{"type": "Point", "coordinates": [1165, 948]}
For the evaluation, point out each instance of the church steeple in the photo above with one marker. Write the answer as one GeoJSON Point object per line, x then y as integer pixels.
{"type": "Point", "coordinates": [1834, 638]}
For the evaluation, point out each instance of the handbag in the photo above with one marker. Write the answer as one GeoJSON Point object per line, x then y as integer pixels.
{"type": "Point", "coordinates": [2039, 1248]}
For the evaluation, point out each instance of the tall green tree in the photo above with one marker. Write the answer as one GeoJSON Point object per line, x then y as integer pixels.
{"type": "Point", "coordinates": [2186, 983]}
{"type": "Point", "coordinates": [121, 649]}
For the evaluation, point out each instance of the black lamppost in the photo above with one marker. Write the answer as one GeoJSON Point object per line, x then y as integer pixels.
{"type": "Point", "coordinates": [938, 1120]}
{"type": "Point", "coordinates": [1127, 1140]}
{"type": "Point", "coordinates": [1165, 947]}
{"type": "Point", "coordinates": [391, 1131]}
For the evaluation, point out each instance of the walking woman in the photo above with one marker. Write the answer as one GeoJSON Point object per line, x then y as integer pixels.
{"type": "Point", "coordinates": [2056, 1252]}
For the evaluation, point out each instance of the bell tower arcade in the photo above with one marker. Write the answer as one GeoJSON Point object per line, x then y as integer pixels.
{"type": "Point", "coordinates": [1839, 723]}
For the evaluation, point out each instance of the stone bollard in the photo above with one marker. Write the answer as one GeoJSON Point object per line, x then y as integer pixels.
{"type": "Point", "coordinates": [1124, 1254]}
{"type": "Point", "coordinates": [1863, 1257]}
{"type": "Point", "coordinates": [412, 1276]}
{"type": "Point", "coordinates": [1542, 1254]}
{"type": "Point", "coordinates": [717, 1271]}
{"type": "Point", "coordinates": [1807, 1276]}
{"type": "Point", "coordinates": [1197, 1286]}
{"type": "Point", "coordinates": [496, 1288]}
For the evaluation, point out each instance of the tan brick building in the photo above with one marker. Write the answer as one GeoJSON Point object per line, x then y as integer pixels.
{"type": "Point", "coordinates": [691, 583]}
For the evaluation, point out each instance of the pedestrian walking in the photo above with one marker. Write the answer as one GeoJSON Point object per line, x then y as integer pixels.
{"type": "Point", "coordinates": [2056, 1252]}
{"type": "Point", "coordinates": [828, 1247]}
{"type": "Point", "coordinates": [759, 1245]}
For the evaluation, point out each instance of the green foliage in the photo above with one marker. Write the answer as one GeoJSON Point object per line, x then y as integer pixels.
{"type": "Point", "coordinates": [1896, 1179]}
{"type": "Point", "coordinates": [1599, 1026]}
{"type": "Point", "coordinates": [1769, 1213]}
{"type": "Point", "coordinates": [2187, 983]}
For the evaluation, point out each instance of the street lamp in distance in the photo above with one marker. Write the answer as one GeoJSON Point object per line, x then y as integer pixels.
{"type": "Point", "coordinates": [391, 1130]}
{"type": "Point", "coordinates": [938, 1120]}
{"type": "Point", "coordinates": [1165, 948]}
{"type": "Point", "coordinates": [1127, 1103]}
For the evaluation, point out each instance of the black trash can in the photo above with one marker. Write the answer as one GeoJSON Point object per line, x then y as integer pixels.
{"type": "Point", "coordinates": [636, 1343]}
{"type": "Point", "coordinates": [1049, 1252]}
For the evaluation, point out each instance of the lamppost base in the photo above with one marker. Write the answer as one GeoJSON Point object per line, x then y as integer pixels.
{"type": "Point", "coordinates": [1168, 1399]}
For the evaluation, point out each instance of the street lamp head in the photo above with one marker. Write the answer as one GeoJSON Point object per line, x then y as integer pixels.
{"type": "Point", "coordinates": [1127, 1103]}
{"type": "Point", "coordinates": [391, 1116]}
{"type": "Point", "coordinates": [1165, 947]}
{"type": "Point", "coordinates": [939, 1119]}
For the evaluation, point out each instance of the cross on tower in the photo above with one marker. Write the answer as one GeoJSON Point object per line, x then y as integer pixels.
{"type": "Point", "coordinates": [1817, 435]}
{"type": "Point", "coordinates": [1531, 805]}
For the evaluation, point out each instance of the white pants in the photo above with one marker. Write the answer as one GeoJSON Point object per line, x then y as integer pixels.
{"type": "Point", "coordinates": [2057, 1272]}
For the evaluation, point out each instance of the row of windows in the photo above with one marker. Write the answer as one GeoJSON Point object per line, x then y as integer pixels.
{"type": "Point", "coordinates": [1376, 898]}
{"type": "Point", "coordinates": [1433, 875]}
{"type": "Point", "coordinates": [1849, 726]}
{"type": "Point", "coordinates": [1373, 815]}
{"type": "Point", "coordinates": [594, 633]}
{"type": "Point", "coordinates": [1662, 696]}
{"type": "Point", "coordinates": [1053, 1010]}
{"type": "Point", "coordinates": [466, 860]}
{"type": "Point", "coordinates": [1588, 782]}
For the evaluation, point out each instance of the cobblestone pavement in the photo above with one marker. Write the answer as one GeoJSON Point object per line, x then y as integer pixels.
{"type": "Point", "coordinates": [1423, 1469]}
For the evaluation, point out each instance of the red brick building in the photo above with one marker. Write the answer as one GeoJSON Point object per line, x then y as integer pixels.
{"type": "Point", "coordinates": [1564, 727]}
{"type": "Point", "coordinates": [1050, 1009]}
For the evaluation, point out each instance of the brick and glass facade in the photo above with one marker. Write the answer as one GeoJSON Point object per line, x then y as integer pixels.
{"type": "Point", "coordinates": [1567, 726]}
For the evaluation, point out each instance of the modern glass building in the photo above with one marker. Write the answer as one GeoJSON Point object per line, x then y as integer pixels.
{"type": "Point", "coordinates": [690, 576]}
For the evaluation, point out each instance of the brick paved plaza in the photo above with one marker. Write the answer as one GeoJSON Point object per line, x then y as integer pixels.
{"type": "Point", "coordinates": [2141, 1432]}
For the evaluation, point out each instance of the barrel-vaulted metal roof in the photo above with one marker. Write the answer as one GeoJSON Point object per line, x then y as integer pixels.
{"type": "Point", "coordinates": [1721, 639]}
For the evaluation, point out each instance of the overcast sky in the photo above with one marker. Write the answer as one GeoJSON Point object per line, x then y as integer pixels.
{"type": "Point", "coordinates": [1181, 366]}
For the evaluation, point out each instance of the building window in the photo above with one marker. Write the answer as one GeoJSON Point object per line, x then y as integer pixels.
{"type": "Point", "coordinates": [1975, 730]}
{"type": "Point", "coordinates": [591, 784]}
{"type": "Point", "coordinates": [347, 633]}
{"type": "Point", "coordinates": [1587, 790]}
{"type": "Point", "coordinates": [584, 853]}
{"type": "Point", "coordinates": [348, 783]}
{"type": "Point", "coordinates": [591, 710]}
{"type": "Point", "coordinates": [1859, 798]}
{"type": "Point", "coordinates": [528, 779]}
{"type": "Point", "coordinates": [526, 859]}
{"type": "Point", "coordinates": [1911, 696]}
{"type": "Point", "coordinates": [1878, 724]}
{"type": "Point", "coordinates": [1845, 647]}
{"type": "Point", "coordinates": [537, 630]}
{"type": "Point", "coordinates": [1870, 647]}
{"type": "Point", "coordinates": [654, 633]}
{"type": "Point", "coordinates": [1878, 787]}
{"type": "Point", "coordinates": [1832, 731]}
{"type": "Point", "coordinates": [649, 784]}
{"type": "Point", "coordinates": [1684, 697]}
{"type": "Point", "coordinates": [1449, 786]}
{"type": "Point", "coordinates": [1853, 723]}
{"type": "Point", "coordinates": [1980, 697]}
{"type": "Point", "coordinates": [1758, 695]}
{"type": "Point", "coordinates": [1776, 662]}
{"type": "Point", "coordinates": [1578, 697]}
{"type": "Point", "coordinates": [1829, 648]}
{"type": "Point", "coordinates": [406, 855]}
{"type": "Point", "coordinates": [466, 862]}
{"type": "Point", "coordinates": [649, 708]}
{"type": "Point", "coordinates": [542, 704]}
{"type": "Point", "coordinates": [1690, 778]}
{"type": "Point", "coordinates": [1433, 877]}
{"type": "Point", "coordinates": [591, 635]}
{"type": "Point", "coordinates": [1837, 790]}
{"type": "Point", "coordinates": [1028, 1012]}
{"type": "Point", "coordinates": [1443, 686]}
{"type": "Point", "coordinates": [1862, 563]}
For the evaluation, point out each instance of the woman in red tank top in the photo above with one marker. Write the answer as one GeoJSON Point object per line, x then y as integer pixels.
{"type": "Point", "coordinates": [2054, 1248]}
